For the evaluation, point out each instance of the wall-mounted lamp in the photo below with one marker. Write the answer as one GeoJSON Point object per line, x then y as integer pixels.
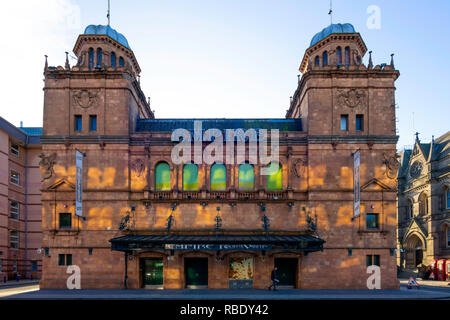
{"type": "Point", "coordinates": [203, 204]}
{"type": "Point", "coordinates": [133, 208]}
{"type": "Point", "coordinates": [232, 204]}
{"type": "Point", "coordinates": [147, 204]}
{"type": "Point", "coordinates": [290, 204]}
{"type": "Point", "coordinates": [262, 206]}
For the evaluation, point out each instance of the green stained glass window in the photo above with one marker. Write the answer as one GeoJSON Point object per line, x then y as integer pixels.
{"type": "Point", "coordinates": [274, 180]}
{"type": "Point", "coordinates": [190, 177]}
{"type": "Point", "coordinates": [162, 176]}
{"type": "Point", "coordinates": [218, 177]}
{"type": "Point", "coordinates": [246, 177]}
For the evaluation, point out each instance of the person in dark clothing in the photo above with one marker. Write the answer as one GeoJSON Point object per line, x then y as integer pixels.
{"type": "Point", "coordinates": [274, 278]}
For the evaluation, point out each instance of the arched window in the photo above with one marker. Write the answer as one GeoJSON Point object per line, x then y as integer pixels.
{"type": "Point", "coordinates": [190, 177]}
{"type": "Point", "coordinates": [423, 204]}
{"type": "Point", "coordinates": [347, 56]}
{"type": "Point", "coordinates": [325, 59]}
{"type": "Point", "coordinates": [121, 62]}
{"type": "Point", "coordinates": [409, 209]}
{"type": "Point", "coordinates": [218, 177]}
{"type": "Point", "coordinates": [317, 61]}
{"type": "Point", "coordinates": [113, 59]}
{"type": "Point", "coordinates": [91, 58]}
{"type": "Point", "coordinates": [246, 177]}
{"type": "Point", "coordinates": [339, 55]}
{"type": "Point", "coordinates": [99, 57]}
{"type": "Point", "coordinates": [274, 180]}
{"type": "Point", "coordinates": [162, 176]}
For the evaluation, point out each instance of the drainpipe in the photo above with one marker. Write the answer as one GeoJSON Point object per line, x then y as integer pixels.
{"type": "Point", "coordinates": [26, 207]}
{"type": "Point", "coordinates": [126, 271]}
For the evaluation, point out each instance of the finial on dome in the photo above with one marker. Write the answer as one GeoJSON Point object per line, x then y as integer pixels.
{"type": "Point", "coordinates": [46, 63]}
{"type": "Point", "coordinates": [370, 66]}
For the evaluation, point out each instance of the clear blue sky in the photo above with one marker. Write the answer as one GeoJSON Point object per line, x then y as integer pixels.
{"type": "Point", "coordinates": [240, 58]}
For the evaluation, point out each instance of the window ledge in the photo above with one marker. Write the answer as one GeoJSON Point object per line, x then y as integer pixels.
{"type": "Point", "coordinates": [374, 231]}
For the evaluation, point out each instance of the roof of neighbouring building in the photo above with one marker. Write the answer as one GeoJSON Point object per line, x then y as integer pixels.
{"type": "Point", "coordinates": [107, 30]}
{"type": "Point", "coordinates": [168, 125]}
{"type": "Point", "coordinates": [333, 28]}
{"type": "Point", "coordinates": [32, 131]}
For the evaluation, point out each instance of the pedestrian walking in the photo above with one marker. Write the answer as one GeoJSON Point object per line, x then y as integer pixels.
{"type": "Point", "coordinates": [274, 278]}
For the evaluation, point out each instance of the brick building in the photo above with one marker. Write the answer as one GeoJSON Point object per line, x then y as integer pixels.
{"type": "Point", "coordinates": [150, 222]}
{"type": "Point", "coordinates": [20, 202]}
{"type": "Point", "coordinates": [424, 204]}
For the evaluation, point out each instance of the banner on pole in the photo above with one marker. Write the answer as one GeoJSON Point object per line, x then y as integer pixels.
{"type": "Point", "coordinates": [79, 184]}
{"type": "Point", "coordinates": [356, 184]}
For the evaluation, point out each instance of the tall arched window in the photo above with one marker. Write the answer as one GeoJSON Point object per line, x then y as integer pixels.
{"type": "Point", "coordinates": [91, 58]}
{"type": "Point", "coordinates": [339, 55]}
{"type": "Point", "coordinates": [317, 61]}
{"type": "Point", "coordinates": [113, 59]}
{"type": "Point", "coordinates": [274, 180]}
{"type": "Point", "coordinates": [121, 62]}
{"type": "Point", "coordinates": [99, 56]}
{"type": "Point", "coordinates": [246, 177]}
{"type": "Point", "coordinates": [190, 177]}
{"type": "Point", "coordinates": [218, 177]}
{"type": "Point", "coordinates": [423, 204]}
{"type": "Point", "coordinates": [162, 176]}
{"type": "Point", "coordinates": [447, 198]}
{"type": "Point", "coordinates": [347, 56]}
{"type": "Point", "coordinates": [409, 209]}
{"type": "Point", "coordinates": [325, 59]}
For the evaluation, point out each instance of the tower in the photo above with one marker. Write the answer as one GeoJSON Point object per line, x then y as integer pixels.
{"type": "Point", "coordinates": [98, 97]}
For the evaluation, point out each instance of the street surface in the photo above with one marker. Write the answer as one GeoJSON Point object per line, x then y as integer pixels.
{"type": "Point", "coordinates": [32, 292]}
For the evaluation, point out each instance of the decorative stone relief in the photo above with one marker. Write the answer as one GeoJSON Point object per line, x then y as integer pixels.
{"type": "Point", "coordinates": [138, 166]}
{"type": "Point", "coordinates": [85, 98]}
{"type": "Point", "coordinates": [351, 98]}
{"type": "Point", "coordinates": [392, 165]}
{"type": "Point", "coordinates": [47, 163]}
{"type": "Point", "coordinates": [299, 167]}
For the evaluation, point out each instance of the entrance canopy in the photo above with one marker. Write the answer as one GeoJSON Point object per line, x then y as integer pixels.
{"type": "Point", "coordinates": [307, 243]}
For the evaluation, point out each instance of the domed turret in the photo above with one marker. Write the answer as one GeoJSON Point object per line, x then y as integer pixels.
{"type": "Point", "coordinates": [337, 45]}
{"type": "Point", "coordinates": [102, 47]}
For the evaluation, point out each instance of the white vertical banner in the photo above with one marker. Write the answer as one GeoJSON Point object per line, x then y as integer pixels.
{"type": "Point", "coordinates": [79, 184]}
{"type": "Point", "coordinates": [356, 184]}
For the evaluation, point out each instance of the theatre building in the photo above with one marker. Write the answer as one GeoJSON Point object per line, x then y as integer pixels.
{"type": "Point", "coordinates": [147, 221]}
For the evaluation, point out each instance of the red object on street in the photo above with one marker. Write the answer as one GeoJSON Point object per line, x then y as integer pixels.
{"type": "Point", "coordinates": [447, 266]}
{"type": "Point", "coordinates": [441, 270]}
{"type": "Point", "coordinates": [433, 270]}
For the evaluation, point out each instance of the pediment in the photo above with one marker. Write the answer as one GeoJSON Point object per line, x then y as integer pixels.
{"type": "Point", "coordinates": [62, 185]}
{"type": "Point", "coordinates": [415, 227]}
{"type": "Point", "coordinates": [375, 185]}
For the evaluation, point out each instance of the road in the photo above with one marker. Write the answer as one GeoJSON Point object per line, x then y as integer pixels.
{"type": "Point", "coordinates": [32, 292]}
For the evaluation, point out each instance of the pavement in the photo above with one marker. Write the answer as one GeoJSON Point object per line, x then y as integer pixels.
{"type": "Point", "coordinates": [32, 292]}
{"type": "Point", "coordinates": [14, 283]}
{"type": "Point", "coordinates": [431, 283]}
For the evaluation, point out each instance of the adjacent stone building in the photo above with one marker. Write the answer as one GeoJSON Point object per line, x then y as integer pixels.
{"type": "Point", "coordinates": [20, 202]}
{"type": "Point", "coordinates": [424, 203]}
{"type": "Point", "coordinates": [148, 221]}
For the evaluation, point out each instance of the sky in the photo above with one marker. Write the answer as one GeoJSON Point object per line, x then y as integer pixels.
{"type": "Point", "coordinates": [231, 58]}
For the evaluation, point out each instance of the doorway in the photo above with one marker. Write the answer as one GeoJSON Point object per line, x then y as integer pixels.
{"type": "Point", "coordinates": [152, 272]}
{"type": "Point", "coordinates": [196, 272]}
{"type": "Point", "coordinates": [287, 271]}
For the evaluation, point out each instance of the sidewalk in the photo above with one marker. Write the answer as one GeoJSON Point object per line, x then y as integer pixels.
{"type": "Point", "coordinates": [14, 283]}
{"type": "Point", "coordinates": [432, 283]}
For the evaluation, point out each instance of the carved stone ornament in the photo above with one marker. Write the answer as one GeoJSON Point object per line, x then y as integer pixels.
{"type": "Point", "coordinates": [47, 163]}
{"type": "Point", "coordinates": [351, 98]}
{"type": "Point", "coordinates": [299, 167]}
{"type": "Point", "coordinates": [416, 169]}
{"type": "Point", "coordinates": [138, 166]}
{"type": "Point", "coordinates": [392, 165]}
{"type": "Point", "coordinates": [85, 98]}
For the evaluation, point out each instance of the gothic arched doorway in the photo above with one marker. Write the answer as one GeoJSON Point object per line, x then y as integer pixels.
{"type": "Point", "coordinates": [414, 252]}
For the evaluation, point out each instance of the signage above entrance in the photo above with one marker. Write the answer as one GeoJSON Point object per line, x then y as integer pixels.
{"type": "Point", "coordinates": [217, 246]}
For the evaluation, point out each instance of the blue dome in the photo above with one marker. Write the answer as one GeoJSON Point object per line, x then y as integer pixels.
{"type": "Point", "coordinates": [107, 30]}
{"type": "Point", "coordinates": [333, 28]}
